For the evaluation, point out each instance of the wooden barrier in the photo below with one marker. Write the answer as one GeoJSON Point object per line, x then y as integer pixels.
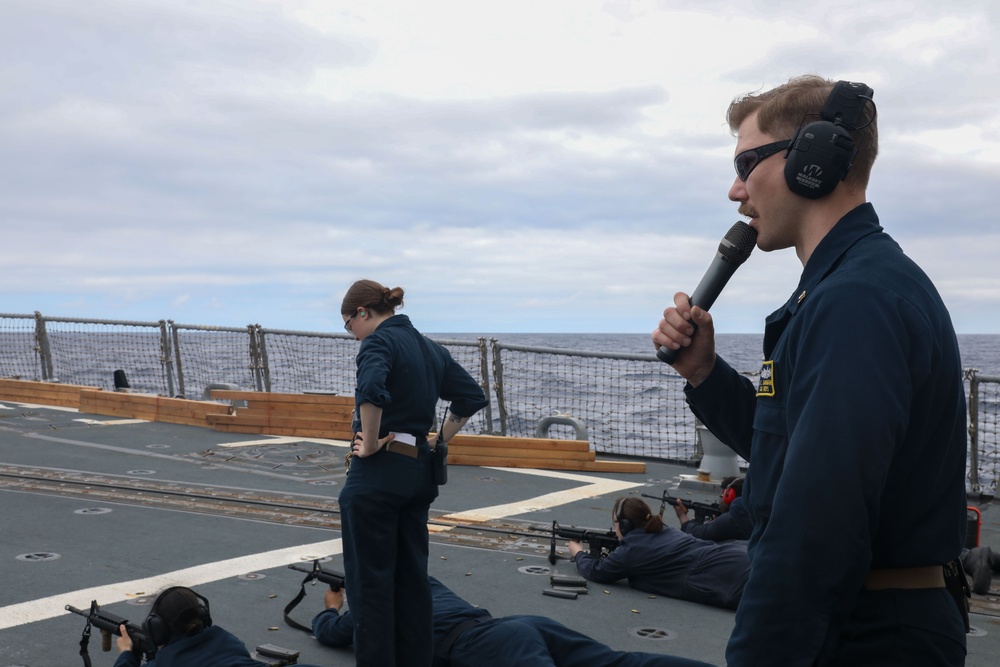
{"type": "Point", "coordinates": [305, 416]}
{"type": "Point", "coordinates": [545, 453]}
{"type": "Point", "coordinates": [327, 416]}
{"type": "Point", "coordinates": [297, 415]}
{"type": "Point", "coordinates": [150, 407]}
{"type": "Point", "coordinates": [42, 393]}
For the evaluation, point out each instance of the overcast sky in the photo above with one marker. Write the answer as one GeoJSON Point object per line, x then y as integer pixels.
{"type": "Point", "coordinates": [515, 166]}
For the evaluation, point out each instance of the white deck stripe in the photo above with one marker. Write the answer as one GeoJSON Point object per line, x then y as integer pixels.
{"type": "Point", "coordinates": [283, 440]}
{"type": "Point", "coordinates": [592, 488]}
{"type": "Point", "coordinates": [50, 607]}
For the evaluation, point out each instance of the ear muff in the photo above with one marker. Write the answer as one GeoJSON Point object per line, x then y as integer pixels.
{"type": "Point", "coordinates": [624, 525]}
{"type": "Point", "coordinates": [158, 629]}
{"type": "Point", "coordinates": [822, 152]}
{"type": "Point", "coordinates": [729, 495]}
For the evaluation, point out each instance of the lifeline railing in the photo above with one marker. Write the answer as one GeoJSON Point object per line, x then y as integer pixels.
{"type": "Point", "coordinates": [626, 404]}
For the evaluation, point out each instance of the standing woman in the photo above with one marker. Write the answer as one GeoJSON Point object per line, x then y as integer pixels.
{"type": "Point", "coordinates": [385, 501]}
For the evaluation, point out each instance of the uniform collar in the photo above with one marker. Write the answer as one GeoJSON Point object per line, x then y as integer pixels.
{"type": "Point", "coordinates": [394, 321]}
{"type": "Point", "coordinates": [857, 224]}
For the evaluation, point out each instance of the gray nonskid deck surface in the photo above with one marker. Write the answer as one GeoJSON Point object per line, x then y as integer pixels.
{"type": "Point", "coordinates": [59, 549]}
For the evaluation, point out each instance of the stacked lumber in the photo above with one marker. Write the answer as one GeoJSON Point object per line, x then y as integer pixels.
{"type": "Point", "coordinates": [297, 415]}
{"type": "Point", "coordinates": [150, 407]}
{"type": "Point", "coordinates": [328, 416]}
{"type": "Point", "coordinates": [41, 393]}
{"type": "Point", "coordinates": [546, 453]}
{"type": "Point", "coordinates": [305, 416]}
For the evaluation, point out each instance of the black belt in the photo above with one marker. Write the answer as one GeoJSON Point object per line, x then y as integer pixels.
{"type": "Point", "coordinates": [444, 649]}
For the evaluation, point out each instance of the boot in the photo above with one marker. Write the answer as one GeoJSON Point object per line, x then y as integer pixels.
{"type": "Point", "coordinates": [977, 562]}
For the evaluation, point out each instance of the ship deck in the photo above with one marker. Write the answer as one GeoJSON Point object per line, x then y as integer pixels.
{"type": "Point", "coordinates": [114, 510]}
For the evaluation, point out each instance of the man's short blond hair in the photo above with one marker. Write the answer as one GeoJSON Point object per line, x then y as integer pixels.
{"type": "Point", "coordinates": [780, 111]}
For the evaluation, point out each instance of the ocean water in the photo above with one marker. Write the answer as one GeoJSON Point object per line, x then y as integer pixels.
{"type": "Point", "coordinates": [742, 351]}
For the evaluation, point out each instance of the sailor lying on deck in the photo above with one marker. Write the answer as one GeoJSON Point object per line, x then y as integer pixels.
{"type": "Point", "coordinates": [467, 636]}
{"type": "Point", "coordinates": [979, 564]}
{"type": "Point", "coordinates": [179, 623]}
{"type": "Point", "coordinates": [665, 561]}
{"type": "Point", "coordinates": [733, 524]}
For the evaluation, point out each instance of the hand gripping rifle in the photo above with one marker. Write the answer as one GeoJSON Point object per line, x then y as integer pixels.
{"type": "Point", "coordinates": [602, 542]}
{"type": "Point", "coordinates": [109, 624]}
{"type": "Point", "coordinates": [702, 511]}
{"type": "Point", "coordinates": [315, 573]}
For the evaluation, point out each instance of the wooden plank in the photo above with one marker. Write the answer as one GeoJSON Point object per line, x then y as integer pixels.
{"type": "Point", "coordinates": [41, 393]}
{"type": "Point", "coordinates": [194, 408]}
{"type": "Point", "coordinates": [503, 461]}
{"type": "Point", "coordinates": [60, 400]}
{"type": "Point", "coordinates": [637, 467]}
{"type": "Point", "coordinates": [127, 412]}
{"type": "Point", "coordinates": [7, 383]}
{"type": "Point", "coordinates": [170, 406]}
{"type": "Point", "coordinates": [275, 397]}
{"type": "Point", "coordinates": [116, 401]}
{"type": "Point", "coordinates": [518, 453]}
{"type": "Point", "coordinates": [307, 411]}
{"type": "Point", "coordinates": [548, 444]}
{"type": "Point", "coordinates": [149, 407]}
{"type": "Point", "coordinates": [549, 464]}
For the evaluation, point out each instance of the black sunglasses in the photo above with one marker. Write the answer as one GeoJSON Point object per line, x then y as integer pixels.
{"type": "Point", "coordinates": [347, 323]}
{"type": "Point", "coordinates": [748, 160]}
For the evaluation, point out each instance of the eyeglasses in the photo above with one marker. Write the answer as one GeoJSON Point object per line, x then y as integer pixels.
{"type": "Point", "coordinates": [748, 160]}
{"type": "Point", "coordinates": [347, 323]}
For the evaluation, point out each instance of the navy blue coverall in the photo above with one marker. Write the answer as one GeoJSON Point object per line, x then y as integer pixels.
{"type": "Point", "coordinates": [733, 524]}
{"type": "Point", "coordinates": [856, 441]}
{"type": "Point", "coordinates": [485, 641]}
{"type": "Point", "coordinates": [674, 564]}
{"type": "Point", "coordinates": [211, 647]}
{"type": "Point", "coordinates": [385, 501]}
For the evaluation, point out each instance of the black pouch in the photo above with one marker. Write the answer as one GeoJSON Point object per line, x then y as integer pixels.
{"type": "Point", "coordinates": [958, 585]}
{"type": "Point", "coordinates": [439, 463]}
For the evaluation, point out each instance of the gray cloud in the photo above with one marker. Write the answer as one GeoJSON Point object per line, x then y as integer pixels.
{"type": "Point", "coordinates": [182, 161]}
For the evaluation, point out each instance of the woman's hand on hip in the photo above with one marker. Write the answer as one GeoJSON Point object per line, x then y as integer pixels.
{"type": "Point", "coordinates": [361, 446]}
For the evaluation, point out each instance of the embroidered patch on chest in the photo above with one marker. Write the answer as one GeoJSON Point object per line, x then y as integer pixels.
{"type": "Point", "coordinates": [765, 387]}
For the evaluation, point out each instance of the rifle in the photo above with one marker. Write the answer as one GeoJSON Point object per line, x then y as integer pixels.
{"type": "Point", "coordinates": [332, 577]}
{"type": "Point", "coordinates": [602, 542]}
{"type": "Point", "coordinates": [315, 573]}
{"type": "Point", "coordinates": [109, 624]}
{"type": "Point", "coordinates": [702, 511]}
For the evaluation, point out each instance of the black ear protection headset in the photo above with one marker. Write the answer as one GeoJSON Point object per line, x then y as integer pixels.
{"type": "Point", "coordinates": [624, 525]}
{"type": "Point", "coordinates": [158, 629]}
{"type": "Point", "coordinates": [822, 152]}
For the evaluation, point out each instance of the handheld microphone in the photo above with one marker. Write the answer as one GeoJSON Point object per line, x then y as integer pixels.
{"type": "Point", "coordinates": [734, 249]}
